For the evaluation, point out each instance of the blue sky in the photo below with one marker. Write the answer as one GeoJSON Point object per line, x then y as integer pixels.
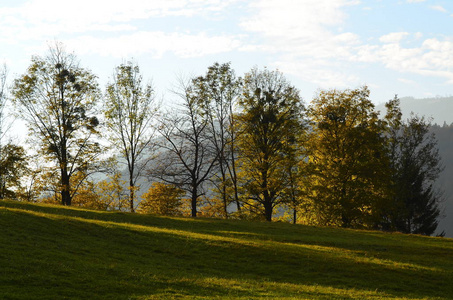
{"type": "Point", "coordinates": [402, 47]}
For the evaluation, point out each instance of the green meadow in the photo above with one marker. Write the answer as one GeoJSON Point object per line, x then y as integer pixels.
{"type": "Point", "coordinates": [54, 252]}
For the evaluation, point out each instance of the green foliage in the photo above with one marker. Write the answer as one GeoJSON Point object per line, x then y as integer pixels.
{"type": "Point", "coordinates": [50, 252]}
{"type": "Point", "coordinates": [270, 122]}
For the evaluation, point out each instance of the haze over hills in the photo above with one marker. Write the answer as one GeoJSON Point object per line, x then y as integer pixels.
{"type": "Point", "coordinates": [440, 110]}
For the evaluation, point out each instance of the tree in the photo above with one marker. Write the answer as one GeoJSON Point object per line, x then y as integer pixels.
{"type": "Point", "coordinates": [4, 125]}
{"type": "Point", "coordinates": [270, 123]}
{"type": "Point", "coordinates": [162, 199]}
{"type": "Point", "coordinates": [46, 186]}
{"type": "Point", "coordinates": [86, 194]}
{"type": "Point", "coordinates": [416, 164]}
{"type": "Point", "coordinates": [347, 159]}
{"type": "Point", "coordinates": [13, 166]}
{"type": "Point", "coordinates": [112, 195]}
{"type": "Point", "coordinates": [187, 156]}
{"type": "Point", "coordinates": [57, 98]}
{"type": "Point", "coordinates": [218, 91]}
{"type": "Point", "coordinates": [13, 163]}
{"type": "Point", "coordinates": [130, 109]}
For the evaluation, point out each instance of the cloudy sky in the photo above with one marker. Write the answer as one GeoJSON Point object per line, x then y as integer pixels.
{"type": "Point", "coordinates": [402, 47]}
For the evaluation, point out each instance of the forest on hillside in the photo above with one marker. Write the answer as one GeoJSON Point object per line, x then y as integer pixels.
{"type": "Point", "coordinates": [234, 147]}
{"type": "Point", "coordinates": [444, 136]}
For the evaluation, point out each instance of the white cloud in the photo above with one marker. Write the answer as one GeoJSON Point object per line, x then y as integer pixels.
{"type": "Point", "coordinates": [406, 81]}
{"type": "Point", "coordinates": [317, 72]}
{"type": "Point", "coordinates": [304, 31]}
{"type": "Point", "coordinates": [418, 35]}
{"type": "Point", "coordinates": [155, 43]}
{"type": "Point", "coordinates": [433, 57]}
{"type": "Point", "coordinates": [306, 35]}
{"type": "Point", "coordinates": [40, 19]}
{"type": "Point", "coordinates": [109, 27]}
{"type": "Point", "coordinates": [393, 38]}
{"type": "Point", "coordinates": [415, 1]}
{"type": "Point", "coordinates": [439, 8]}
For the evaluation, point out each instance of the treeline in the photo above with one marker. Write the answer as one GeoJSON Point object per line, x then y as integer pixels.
{"type": "Point", "coordinates": [243, 147]}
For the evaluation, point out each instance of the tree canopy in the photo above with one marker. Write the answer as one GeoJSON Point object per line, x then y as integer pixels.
{"type": "Point", "coordinates": [57, 98]}
{"type": "Point", "coordinates": [130, 109]}
{"type": "Point", "coordinates": [242, 147]}
{"type": "Point", "coordinates": [269, 123]}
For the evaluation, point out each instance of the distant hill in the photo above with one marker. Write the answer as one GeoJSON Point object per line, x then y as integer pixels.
{"type": "Point", "coordinates": [55, 252]}
{"type": "Point", "coordinates": [444, 135]}
{"type": "Point", "coordinates": [440, 109]}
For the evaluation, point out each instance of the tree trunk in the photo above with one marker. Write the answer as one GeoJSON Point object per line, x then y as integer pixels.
{"type": "Point", "coordinates": [234, 178]}
{"type": "Point", "coordinates": [131, 195]}
{"type": "Point", "coordinates": [65, 188]}
{"type": "Point", "coordinates": [225, 201]}
{"type": "Point", "coordinates": [194, 203]}
{"type": "Point", "coordinates": [268, 209]}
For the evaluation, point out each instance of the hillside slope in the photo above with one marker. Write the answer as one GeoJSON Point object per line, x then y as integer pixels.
{"type": "Point", "coordinates": [49, 252]}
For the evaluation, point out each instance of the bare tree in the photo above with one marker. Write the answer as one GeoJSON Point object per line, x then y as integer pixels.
{"type": "Point", "coordinates": [187, 156]}
{"type": "Point", "coordinates": [130, 109]}
{"type": "Point", "coordinates": [4, 126]}
{"type": "Point", "coordinates": [218, 91]}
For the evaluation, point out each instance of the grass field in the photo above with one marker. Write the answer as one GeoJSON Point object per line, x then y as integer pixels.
{"type": "Point", "coordinates": [52, 252]}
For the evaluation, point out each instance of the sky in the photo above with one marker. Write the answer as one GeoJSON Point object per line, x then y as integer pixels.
{"type": "Point", "coordinates": [402, 47]}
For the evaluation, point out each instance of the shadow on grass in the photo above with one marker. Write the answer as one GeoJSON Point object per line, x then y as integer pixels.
{"type": "Point", "coordinates": [89, 254]}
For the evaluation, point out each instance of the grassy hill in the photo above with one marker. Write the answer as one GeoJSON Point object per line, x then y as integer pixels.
{"type": "Point", "coordinates": [50, 252]}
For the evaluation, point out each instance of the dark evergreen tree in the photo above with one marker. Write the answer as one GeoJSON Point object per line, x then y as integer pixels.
{"type": "Point", "coordinates": [416, 164]}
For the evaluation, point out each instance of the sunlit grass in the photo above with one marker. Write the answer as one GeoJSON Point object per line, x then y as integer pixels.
{"type": "Point", "coordinates": [51, 252]}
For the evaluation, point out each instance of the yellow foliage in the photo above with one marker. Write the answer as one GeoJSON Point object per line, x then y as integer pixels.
{"type": "Point", "coordinates": [111, 193]}
{"type": "Point", "coordinates": [162, 199]}
{"type": "Point", "coordinates": [213, 208]}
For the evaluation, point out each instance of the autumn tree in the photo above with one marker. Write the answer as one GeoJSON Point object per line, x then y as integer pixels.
{"type": "Point", "coordinates": [112, 194]}
{"type": "Point", "coordinates": [130, 109]}
{"type": "Point", "coordinates": [270, 121]}
{"type": "Point", "coordinates": [186, 157]}
{"type": "Point", "coordinates": [57, 98]}
{"type": "Point", "coordinates": [46, 186]}
{"type": "Point", "coordinates": [162, 199]}
{"type": "Point", "coordinates": [347, 159]}
{"type": "Point", "coordinates": [218, 91]}
{"type": "Point", "coordinates": [416, 164]}
{"type": "Point", "coordinates": [86, 195]}
{"type": "Point", "coordinates": [29, 191]}
{"type": "Point", "coordinates": [13, 166]}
